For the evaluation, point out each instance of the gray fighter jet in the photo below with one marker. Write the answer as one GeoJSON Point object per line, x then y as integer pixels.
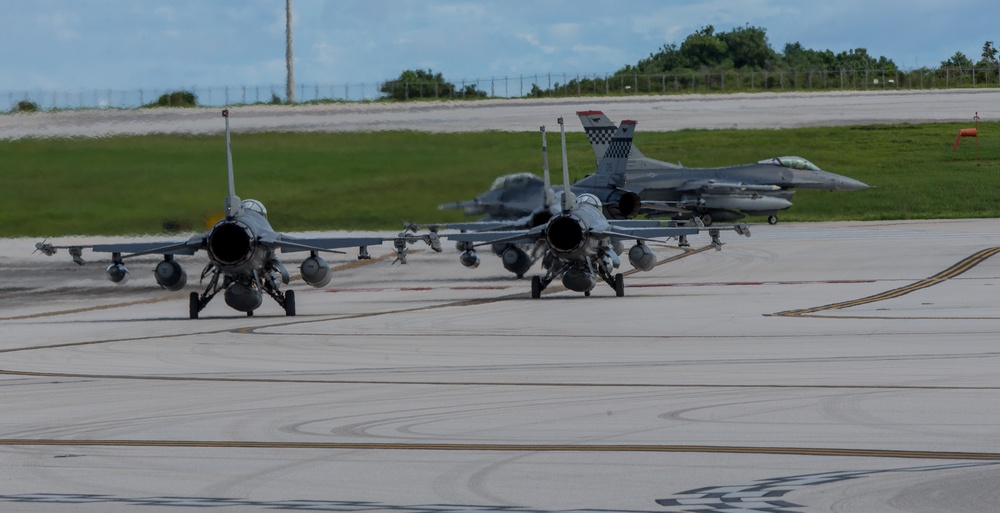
{"type": "Point", "coordinates": [518, 258]}
{"type": "Point", "coordinates": [523, 200]}
{"type": "Point", "coordinates": [241, 250]}
{"type": "Point", "coordinates": [578, 240]}
{"type": "Point", "coordinates": [715, 194]}
{"type": "Point", "coordinates": [517, 195]}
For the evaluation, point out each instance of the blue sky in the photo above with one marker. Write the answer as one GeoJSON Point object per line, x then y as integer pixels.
{"type": "Point", "coordinates": [123, 44]}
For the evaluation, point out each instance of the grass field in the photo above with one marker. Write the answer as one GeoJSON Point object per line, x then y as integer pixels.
{"type": "Point", "coordinates": [335, 181]}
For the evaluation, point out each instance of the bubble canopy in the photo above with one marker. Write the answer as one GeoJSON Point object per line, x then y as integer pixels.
{"type": "Point", "coordinates": [792, 163]}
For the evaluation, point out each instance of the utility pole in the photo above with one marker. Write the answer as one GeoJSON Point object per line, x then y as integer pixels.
{"type": "Point", "coordinates": [290, 82]}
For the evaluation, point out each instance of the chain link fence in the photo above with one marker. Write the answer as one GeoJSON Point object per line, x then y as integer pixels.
{"type": "Point", "coordinates": [521, 86]}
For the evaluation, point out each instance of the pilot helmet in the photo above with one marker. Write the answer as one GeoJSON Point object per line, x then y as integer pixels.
{"type": "Point", "coordinates": [254, 205]}
{"type": "Point", "coordinates": [589, 199]}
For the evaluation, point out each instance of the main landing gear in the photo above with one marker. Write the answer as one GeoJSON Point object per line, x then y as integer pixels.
{"type": "Point", "coordinates": [243, 292]}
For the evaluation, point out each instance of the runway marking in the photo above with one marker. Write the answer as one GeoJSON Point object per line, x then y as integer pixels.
{"type": "Point", "coordinates": [91, 308]}
{"type": "Point", "coordinates": [767, 495]}
{"type": "Point", "coordinates": [430, 446]}
{"type": "Point", "coordinates": [945, 275]}
{"type": "Point", "coordinates": [206, 379]}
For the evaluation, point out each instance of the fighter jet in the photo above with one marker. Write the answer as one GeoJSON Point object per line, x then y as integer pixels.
{"type": "Point", "coordinates": [578, 240]}
{"type": "Point", "coordinates": [716, 194]}
{"type": "Point", "coordinates": [518, 258]}
{"type": "Point", "coordinates": [519, 200]}
{"type": "Point", "coordinates": [518, 195]}
{"type": "Point", "coordinates": [241, 251]}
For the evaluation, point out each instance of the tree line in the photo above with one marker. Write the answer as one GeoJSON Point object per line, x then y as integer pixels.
{"type": "Point", "coordinates": [743, 49]}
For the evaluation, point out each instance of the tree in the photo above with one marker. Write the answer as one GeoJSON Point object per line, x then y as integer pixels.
{"type": "Point", "coordinates": [795, 56]}
{"type": "Point", "coordinates": [418, 84]}
{"type": "Point", "coordinates": [989, 55]}
{"type": "Point", "coordinates": [704, 48]}
{"type": "Point", "coordinates": [859, 59]}
{"type": "Point", "coordinates": [959, 61]}
{"type": "Point", "coordinates": [747, 46]}
{"type": "Point", "coordinates": [668, 58]}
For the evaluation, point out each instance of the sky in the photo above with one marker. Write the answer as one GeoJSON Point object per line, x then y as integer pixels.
{"type": "Point", "coordinates": [126, 44]}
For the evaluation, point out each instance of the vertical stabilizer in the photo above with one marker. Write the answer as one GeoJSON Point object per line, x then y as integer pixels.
{"type": "Point", "coordinates": [568, 198]}
{"type": "Point", "coordinates": [615, 158]}
{"type": "Point", "coordinates": [549, 197]}
{"type": "Point", "coordinates": [600, 130]}
{"type": "Point", "coordinates": [233, 206]}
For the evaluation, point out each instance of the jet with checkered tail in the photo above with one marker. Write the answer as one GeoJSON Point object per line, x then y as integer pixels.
{"type": "Point", "coordinates": [517, 195]}
{"type": "Point", "coordinates": [577, 242]}
{"type": "Point", "coordinates": [242, 252]}
{"type": "Point", "coordinates": [713, 194]}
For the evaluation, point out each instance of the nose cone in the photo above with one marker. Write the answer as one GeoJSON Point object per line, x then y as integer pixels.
{"type": "Point", "coordinates": [826, 181]}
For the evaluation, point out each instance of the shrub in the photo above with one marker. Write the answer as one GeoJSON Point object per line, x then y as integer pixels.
{"type": "Point", "coordinates": [26, 106]}
{"type": "Point", "coordinates": [177, 99]}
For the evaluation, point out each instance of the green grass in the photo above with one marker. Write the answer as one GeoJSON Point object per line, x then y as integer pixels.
{"type": "Point", "coordinates": [312, 181]}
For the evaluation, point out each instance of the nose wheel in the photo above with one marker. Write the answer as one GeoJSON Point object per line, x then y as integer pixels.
{"type": "Point", "coordinates": [772, 219]}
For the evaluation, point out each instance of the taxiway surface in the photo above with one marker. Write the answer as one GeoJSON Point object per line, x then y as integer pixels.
{"type": "Point", "coordinates": [654, 113]}
{"type": "Point", "coordinates": [813, 367]}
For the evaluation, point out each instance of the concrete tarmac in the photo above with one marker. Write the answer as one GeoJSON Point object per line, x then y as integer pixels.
{"type": "Point", "coordinates": [846, 367]}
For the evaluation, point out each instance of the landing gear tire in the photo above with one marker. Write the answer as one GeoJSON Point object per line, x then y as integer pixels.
{"type": "Point", "coordinates": [194, 305]}
{"type": "Point", "coordinates": [707, 219]}
{"type": "Point", "coordinates": [250, 313]}
{"type": "Point", "coordinates": [772, 219]}
{"type": "Point", "coordinates": [619, 285]}
{"type": "Point", "coordinates": [536, 287]}
{"type": "Point", "coordinates": [290, 303]}
{"type": "Point", "coordinates": [586, 294]}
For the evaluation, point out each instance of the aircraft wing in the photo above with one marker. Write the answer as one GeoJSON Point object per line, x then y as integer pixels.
{"type": "Point", "coordinates": [619, 233]}
{"type": "Point", "coordinates": [481, 226]}
{"type": "Point", "coordinates": [717, 186]}
{"type": "Point", "coordinates": [133, 249]}
{"type": "Point", "coordinates": [622, 233]}
{"type": "Point", "coordinates": [294, 244]}
{"type": "Point", "coordinates": [511, 236]}
{"type": "Point", "coordinates": [636, 223]}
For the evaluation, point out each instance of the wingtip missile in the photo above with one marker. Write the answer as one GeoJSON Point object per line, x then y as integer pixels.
{"type": "Point", "coordinates": [45, 248]}
{"type": "Point", "coordinates": [48, 249]}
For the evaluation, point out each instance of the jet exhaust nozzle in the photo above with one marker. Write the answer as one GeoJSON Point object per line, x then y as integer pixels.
{"type": "Point", "coordinates": [170, 275]}
{"type": "Point", "coordinates": [315, 271]}
{"type": "Point", "coordinates": [231, 243]}
{"type": "Point", "coordinates": [623, 205]}
{"type": "Point", "coordinates": [565, 234]}
{"type": "Point", "coordinates": [118, 273]}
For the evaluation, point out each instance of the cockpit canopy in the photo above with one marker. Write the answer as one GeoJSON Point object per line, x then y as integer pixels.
{"type": "Point", "coordinates": [254, 205]}
{"type": "Point", "coordinates": [516, 180]}
{"type": "Point", "coordinates": [589, 199]}
{"type": "Point", "coordinates": [792, 163]}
